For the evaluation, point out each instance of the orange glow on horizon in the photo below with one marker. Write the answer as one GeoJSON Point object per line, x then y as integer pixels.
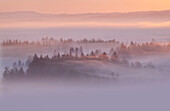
{"type": "Point", "coordinates": [83, 6]}
{"type": "Point", "coordinates": [82, 24]}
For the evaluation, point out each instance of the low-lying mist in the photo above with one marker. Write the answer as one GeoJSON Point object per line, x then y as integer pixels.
{"type": "Point", "coordinates": [84, 76]}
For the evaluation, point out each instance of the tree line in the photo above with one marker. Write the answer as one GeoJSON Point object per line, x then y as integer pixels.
{"type": "Point", "coordinates": [43, 65]}
{"type": "Point", "coordinates": [52, 41]}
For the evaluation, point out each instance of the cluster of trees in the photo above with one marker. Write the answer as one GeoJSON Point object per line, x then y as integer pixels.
{"type": "Point", "coordinates": [94, 55]}
{"type": "Point", "coordinates": [37, 64]}
{"type": "Point", "coordinates": [70, 56]}
{"type": "Point", "coordinates": [123, 50]}
{"type": "Point", "coordinates": [10, 42]}
{"type": "Point", "coordinates": [76, 50]}
{"type": "Point", "coordinates": [144, 48]}
{"type": "Point", "coordinates": [51, 41]}
{"type": "Point", "coordinates": [58, 63]}
{"type": "Point", "coordinates": [16, 72]}
{"type": "Point", "coordinates": [97, 41]}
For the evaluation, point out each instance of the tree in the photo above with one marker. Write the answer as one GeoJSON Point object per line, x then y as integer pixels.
{"type": "Point", "coordinates": [19, 63]}
{"type": "Point", "coordinates": [81, 49]}
{"type": "Point", "coordinates": [70, 55]}
{"type": "Point", "coordinates": [111, 51]}
{"type": "Point", "coordinates": [46, 58]}
{"type": "Point", "coordinates": [77, 50]}
{"type": "Point", "coordinates": [14, 65]}
{"type": "Point", "coordinates": [6, 73]}
{"type": "Point", "coordinates": [104, 53]}
{"type": "Point", "coordinates": [21, 72]}
{"type": "Point", "coordinates": [103, 56]}
{"type": "Point", "coordinates": [114, 57]}
{"type": "Point", "coordinates": [61, 40]}
{"type": "Point", "coordinates": [41, 57]}
{"type": "Point", "coordinates": [76, 55]}
{"type": "Point", "coordinates": [123, 46]}
{"type": "Point", "coordinates": [58, 56]}
{"type": "Point", "coordinates": [131, 43]}
{"type": "Point", "coordinates": [35, 58]}
{"type": "Point", "coordinates": [71, 50]}
{"type": "Point", "coordinates": [82, 55]}
{"type": "Point", "coordinates": [92, 54]}
{"type": "Point", "coordinates": [97, 52]}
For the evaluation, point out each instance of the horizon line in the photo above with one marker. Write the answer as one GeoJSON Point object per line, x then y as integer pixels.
{"type": "Point", "coordinates": [85, 12]}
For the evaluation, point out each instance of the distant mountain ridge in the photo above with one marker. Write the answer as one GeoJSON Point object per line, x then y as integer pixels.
{"type": "Point", "coordinates": [140, 16]}
{"type": "Point", "coordinates": [33, 12]}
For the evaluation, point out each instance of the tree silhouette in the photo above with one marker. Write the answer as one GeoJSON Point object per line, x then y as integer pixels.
{"type": "Point", "coordinates": [35, 58]}
{"type": "Point", "coordinates": [21, 73]}
{"type": "Point", "coordinates": [6, 73]}
{"type": "Point", "coordinates": [114, 57]}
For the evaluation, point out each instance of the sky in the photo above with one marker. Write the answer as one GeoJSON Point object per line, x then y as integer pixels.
{"type": "Point", "coordinates": [80, 6]}
{"type": "Point", "coordinates": [83, 6]}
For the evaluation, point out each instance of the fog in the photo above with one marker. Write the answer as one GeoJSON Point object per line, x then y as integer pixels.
{"type": "Point", "coordinates": [125, 34]}
{"type": "Point", "coordinates": [153, 97]}
{"type": "Point", "coordinates": [98, 84]}
{"type": "Point", "coordinates": [126, 93]}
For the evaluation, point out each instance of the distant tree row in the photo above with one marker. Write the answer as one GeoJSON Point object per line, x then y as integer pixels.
{"type": "Point", "coordinates": [10, 42]}
{"type": "Point", "coordinates": [148, 48]}
{"type": "Point", "coordinates": [51, 41]}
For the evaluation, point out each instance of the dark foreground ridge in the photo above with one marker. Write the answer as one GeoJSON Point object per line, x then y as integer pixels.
{"type": "Point", "coordinates": [60, 66]}
{"type": "Point", "coordinates": [78, 66]}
